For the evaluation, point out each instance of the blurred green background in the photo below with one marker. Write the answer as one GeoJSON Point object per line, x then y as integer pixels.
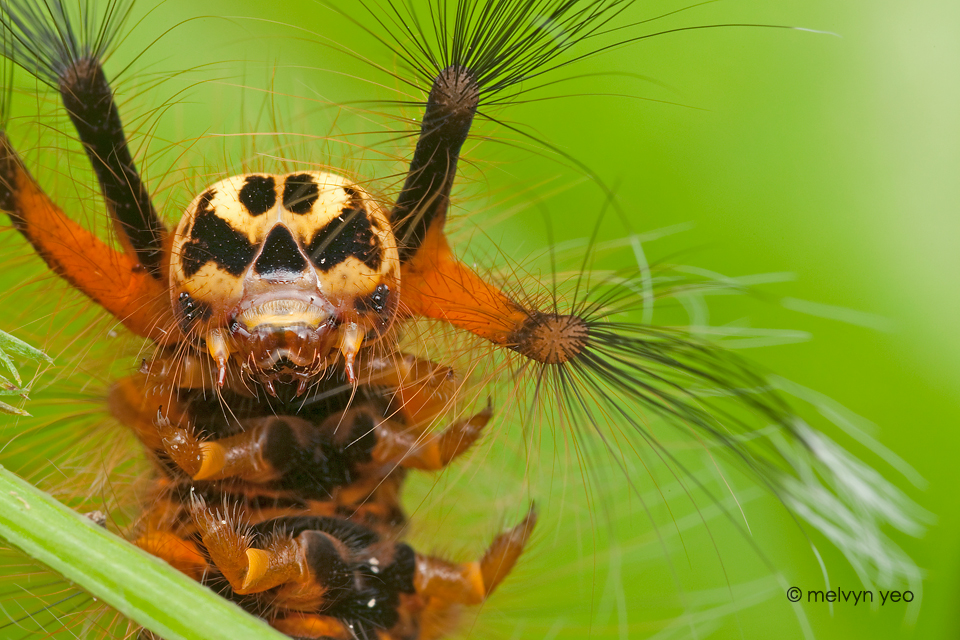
{"type": "Point", "coordinates": [833, 158]}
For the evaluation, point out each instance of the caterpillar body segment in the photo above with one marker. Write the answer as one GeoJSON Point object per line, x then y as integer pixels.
{"type": "Point", "coordinates": [286, 510]}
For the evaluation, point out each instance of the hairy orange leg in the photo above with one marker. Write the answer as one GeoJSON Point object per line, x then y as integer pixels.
{"type": "Point", "coordinates": [246, 568]}
{"type": "Point", "coordinates": [437, 285]}
{"type": "Point", "coordinates": [116, 281]}
{"type": "Point", "coordinates": [408, 446]}
{"type": "Point", "coordinates": [182, 555]}
{"type": "Point", "coordinates": [445, 586]}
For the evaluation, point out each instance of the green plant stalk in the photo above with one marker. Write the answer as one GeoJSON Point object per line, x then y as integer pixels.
{"type": "Point", "coordinates": [139, 586]}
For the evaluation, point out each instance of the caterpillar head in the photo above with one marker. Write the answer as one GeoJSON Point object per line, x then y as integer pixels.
{"type": "Point", "coordinates": [283, 273]}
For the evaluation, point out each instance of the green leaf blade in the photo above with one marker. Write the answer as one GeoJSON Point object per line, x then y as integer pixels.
{"type": "Point", "coordinates": [139, 586]}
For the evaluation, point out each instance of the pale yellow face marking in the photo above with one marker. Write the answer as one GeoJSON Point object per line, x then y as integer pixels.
{"type": "Point", "coordinates": [213, 282]}
{"type": "Point", "coordinates": [352, 279]}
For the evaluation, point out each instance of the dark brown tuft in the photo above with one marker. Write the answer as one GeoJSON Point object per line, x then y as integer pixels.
{"type": "Point", "coordinates": [456, 94]}
{"type": "Point", "coordinates": [551, 338]}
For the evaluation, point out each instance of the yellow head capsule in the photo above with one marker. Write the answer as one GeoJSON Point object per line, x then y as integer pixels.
{"type": "Point", "coordinates": [277, 271]}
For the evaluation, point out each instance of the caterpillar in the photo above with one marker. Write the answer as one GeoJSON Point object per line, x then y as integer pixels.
{"type": "Point", "coordinates": [313, 341]}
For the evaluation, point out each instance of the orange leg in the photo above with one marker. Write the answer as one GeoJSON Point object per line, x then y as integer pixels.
{"type": "Point", "coordinates": [305, 625]}
{"type": "Point", "coordinates": [262, 452]}
{"type": "Point", "coordinates": [437, 285]}
{"type": "Point", "coordinates": [424, 389]}
{"type": "Point", "coordinates": [473, 582]}
{"type": "Point", "coordinates": [116, 281]}
{"type": "Point", "coordinates": [246, 568]}
{"type": "Point", "coordinates": [182, 555]}
{"type": "Point", "coordinates": [445, 586]}
{"type": "Point", "coordinates": [413, 450]}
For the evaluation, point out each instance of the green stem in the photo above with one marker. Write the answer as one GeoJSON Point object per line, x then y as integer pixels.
{"type": "Point", "coordinates": [139, 586]}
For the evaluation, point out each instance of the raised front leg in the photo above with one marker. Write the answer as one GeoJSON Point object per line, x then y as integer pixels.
{"type": "Point", "coordinates": [116, 281]}
{"type": "Point", "coordinates": [130, 284]}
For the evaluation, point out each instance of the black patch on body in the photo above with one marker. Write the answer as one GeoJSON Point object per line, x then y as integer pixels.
{"type": "Point", "coordinates": [311, 464]}
{"type": "Point", "coordinates": [355, 536]}
{"type": "Point", "coordinates": [300, 192]}
{"type": "Point", "coordinates": [212, 239]}
{"type": "Point", "coordinates": [379, 586]}
{"type": "Point", "coordinates": [399, 574]}
{"type": "Point", "coordinates": [258, 194]}
{"type": "Point", "coordinates": [349, 234]}
{"type": "Point", "coordinates": [353, 196]}
{"type": "Point", "coordinates": [309, 459]}
{"type": "Point", "coordinates": [280, 254]}
{"type": "Point", "coordinates": [328, 566]}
